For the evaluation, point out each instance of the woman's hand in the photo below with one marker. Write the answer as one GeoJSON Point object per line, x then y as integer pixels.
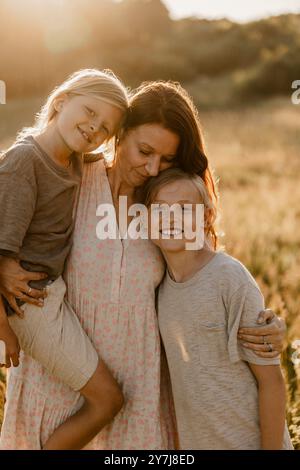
{"type": "Point", "coordinates": [14, 284]}
{"type": "Point", "coordinates": [268, 340]}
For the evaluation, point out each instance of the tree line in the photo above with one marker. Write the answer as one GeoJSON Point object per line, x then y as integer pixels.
{"type": "Point", "coordinates": [41, 42]}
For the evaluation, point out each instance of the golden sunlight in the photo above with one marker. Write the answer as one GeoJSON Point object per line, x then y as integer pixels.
{"type": "Point", "coordinates": [63, 29]}
{"type": "Point", "coordinates": [232, 9]}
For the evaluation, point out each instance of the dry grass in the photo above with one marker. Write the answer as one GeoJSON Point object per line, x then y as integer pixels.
{"type": "Point", "coordinates": [255, 152]}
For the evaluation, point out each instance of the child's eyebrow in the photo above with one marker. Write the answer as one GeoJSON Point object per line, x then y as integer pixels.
{"type": "Point", "coordinates": [188, 201]}
{"type": "Point", "coordinates": [91, 108]}
{"type": "Point", "coordinates": [185, 201]}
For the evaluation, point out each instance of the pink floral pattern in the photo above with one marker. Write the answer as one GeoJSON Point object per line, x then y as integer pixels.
{"type": "Point", "coordinates": [111, 286]}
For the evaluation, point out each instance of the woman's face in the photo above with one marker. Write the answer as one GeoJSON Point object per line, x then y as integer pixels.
{"type": "Point", "coordinates": [145, 151]}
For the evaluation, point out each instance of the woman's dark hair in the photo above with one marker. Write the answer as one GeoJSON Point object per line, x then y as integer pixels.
{"type": "Point", "coordinates": [168, 104]}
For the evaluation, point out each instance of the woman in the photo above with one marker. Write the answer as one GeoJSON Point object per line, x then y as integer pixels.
{"type": "Point", "coordinates": [111, 286]}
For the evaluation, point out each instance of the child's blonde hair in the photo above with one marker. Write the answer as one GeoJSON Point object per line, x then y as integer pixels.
{"type": "Point", "coordinates": [148, 192]}
{"type": "Point", "coordinates": [103, 85]}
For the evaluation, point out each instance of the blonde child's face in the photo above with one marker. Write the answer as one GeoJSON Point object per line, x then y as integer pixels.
{"type": "Point", "coordinates": [84, 122]}
{"type": "Point", "coordinates": [174, 230]}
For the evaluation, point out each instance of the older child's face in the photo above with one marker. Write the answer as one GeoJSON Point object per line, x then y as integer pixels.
{"type": "Point", "coordinates": [84, 122]}
{"type": "Point", "coordinates": [175, 230]}
{"type": "Point", "coordinates": [145, 151]}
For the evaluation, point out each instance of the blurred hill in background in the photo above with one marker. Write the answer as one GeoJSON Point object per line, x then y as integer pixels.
{"type": "Point", "coordinates": [221, 62]}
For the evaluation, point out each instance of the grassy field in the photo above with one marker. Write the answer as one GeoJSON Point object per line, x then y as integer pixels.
{"type": "Point", "coordinates": [256, 154]}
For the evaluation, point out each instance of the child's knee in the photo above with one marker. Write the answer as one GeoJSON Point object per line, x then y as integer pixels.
{"type": "Point", "coordinates": [116, 400]}
{"type": "Point", "coordinates": [103, 392]}
{"type": "Point", "coordinates": [107, 403]}
{"type": "Point", "coordinates": [110, 396]}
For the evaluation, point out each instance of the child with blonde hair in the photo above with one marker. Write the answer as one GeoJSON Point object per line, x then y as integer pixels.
{"type": "Point", "coordinates": [226, 397]}
{"type": "Point", "coordinates": [39, 182]}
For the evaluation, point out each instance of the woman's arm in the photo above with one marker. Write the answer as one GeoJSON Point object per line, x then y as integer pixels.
{"type": "Point", "coordinates": [266, 337]}
{"type": "Point", "coordinates": [14, 284]}
{"type": "Point", "coordinates": [271, 396]}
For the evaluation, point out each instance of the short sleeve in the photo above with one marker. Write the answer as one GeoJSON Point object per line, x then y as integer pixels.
{"type": "Point", "coordinates": [17, 207]}
{"type": "Point", "coordinates": [243, 309]}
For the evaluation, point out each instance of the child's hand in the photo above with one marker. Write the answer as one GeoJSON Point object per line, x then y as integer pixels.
{"type": "Point", "coordinates": [12, 347]}
{"type": "Point", "coordinates": [14, 284]}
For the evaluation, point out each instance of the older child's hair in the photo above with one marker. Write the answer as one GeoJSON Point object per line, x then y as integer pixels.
{"type": "Point", "coordinates": [92, 82]}
{"type": "Point", "coordinates": [170, 105]}
{"type": "Point", "coordinates": [149, 191]}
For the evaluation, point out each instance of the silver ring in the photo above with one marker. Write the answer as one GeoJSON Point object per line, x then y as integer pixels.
{"type": "Point", "coordinates": [29, 290]}
{"type": "Point", "coordinates": [270, 347]}
{"type": "Point", "coordinates": [264, 339]}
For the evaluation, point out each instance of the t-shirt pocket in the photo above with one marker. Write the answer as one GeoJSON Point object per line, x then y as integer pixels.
{"type": "Point", "coordinates": [213, 343]}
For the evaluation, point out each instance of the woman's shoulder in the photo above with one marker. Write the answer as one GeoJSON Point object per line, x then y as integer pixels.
{"type": "Point", "coordinates": [93, 157]}
{"type": "Point", "coordinates": [93, 165]}
{"type": "Point", "coordinates": [93, 169]}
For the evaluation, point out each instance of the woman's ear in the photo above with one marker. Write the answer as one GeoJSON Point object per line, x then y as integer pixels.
{"type": "Point", "coordinates": [59, 102]}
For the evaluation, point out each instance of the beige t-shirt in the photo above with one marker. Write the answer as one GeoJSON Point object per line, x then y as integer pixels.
{"type": "Point", "coordinates": [215, 392]}
{"type": "Point", "coordinates": [36, 207]}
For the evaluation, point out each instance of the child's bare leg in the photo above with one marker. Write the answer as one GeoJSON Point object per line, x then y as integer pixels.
{"type": "Point", "coordinates": [103, 400]}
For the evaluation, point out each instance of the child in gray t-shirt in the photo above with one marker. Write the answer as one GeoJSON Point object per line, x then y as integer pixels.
{"type": "Point", "coordinates": [225, 396]}
{"type": "Point", "coordinates": [39, 180]}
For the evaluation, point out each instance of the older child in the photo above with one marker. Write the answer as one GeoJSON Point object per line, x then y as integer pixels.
{"type": "Point", "coordinates": [39, 178]}
{"type": "Point", "coordinates": [225, 396]}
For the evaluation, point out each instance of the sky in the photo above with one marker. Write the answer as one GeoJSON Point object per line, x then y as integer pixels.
{"type": "Point", "coordinates": [236, 10]}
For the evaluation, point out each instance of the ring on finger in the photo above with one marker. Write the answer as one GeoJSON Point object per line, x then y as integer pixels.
{"type": "Point", "coordinates": [264, 339]}
{"type": "Point", "coordinates": [270, 347]}
{"type": "Point", "coordinates": [29, 290]}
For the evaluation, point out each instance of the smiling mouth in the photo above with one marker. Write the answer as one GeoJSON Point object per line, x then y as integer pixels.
{"type": "Point", "coordinates": [171, 232]}
{"type": "Point", "coordinates": [84, 135]}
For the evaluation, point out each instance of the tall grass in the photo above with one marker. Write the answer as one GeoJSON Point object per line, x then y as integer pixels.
{"type": "Point", "coordinates": [256, 153]}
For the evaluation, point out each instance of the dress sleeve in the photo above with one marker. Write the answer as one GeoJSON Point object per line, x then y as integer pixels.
{"type": "Point", "coordinates": [243, 309]}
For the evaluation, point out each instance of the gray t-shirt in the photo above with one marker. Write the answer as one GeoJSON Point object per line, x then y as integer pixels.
{"type": "Point", "coordinates": [36, 207]}
{"type": "Point", "coordinates": [215, 392]}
